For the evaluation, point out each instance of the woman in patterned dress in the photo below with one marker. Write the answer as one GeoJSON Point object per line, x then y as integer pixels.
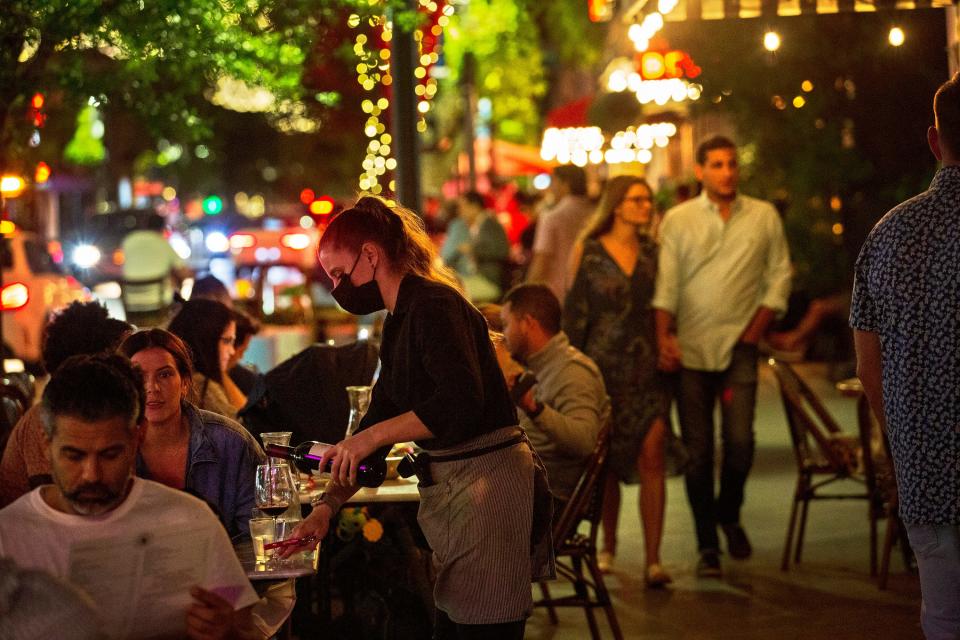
{"type": "Point", "coordinates": [607, 315]}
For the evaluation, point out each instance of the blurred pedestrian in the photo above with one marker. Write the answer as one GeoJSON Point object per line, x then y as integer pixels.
{"type": "Point", "coordinates": [558, 229]}
{"type": "Point", "coordinates": [906, 329]}
{"type": "Point", "coordinates": [608, 316]}
{"type": "Point", "coordinates": [724, 274]}
{"type": "Point", "coordinates": [210, 331]}
{"type": "Point", "coordinates": [476, 248]}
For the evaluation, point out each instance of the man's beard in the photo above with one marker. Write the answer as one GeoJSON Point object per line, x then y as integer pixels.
{"type": "Point", "coordinates": [94, 499]}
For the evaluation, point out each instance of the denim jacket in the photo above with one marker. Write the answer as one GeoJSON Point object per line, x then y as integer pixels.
{"type": "Point", "coordinates": [221, 467]}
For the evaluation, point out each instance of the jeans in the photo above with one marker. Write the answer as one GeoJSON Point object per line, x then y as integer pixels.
{"type": "Point", "coordinates": [937, 548]}
{"type": "Point", "coordinates": [736, 390]}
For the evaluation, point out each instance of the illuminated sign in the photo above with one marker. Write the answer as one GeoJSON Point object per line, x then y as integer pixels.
{"type": "Point", "coordinates": [665, 65]}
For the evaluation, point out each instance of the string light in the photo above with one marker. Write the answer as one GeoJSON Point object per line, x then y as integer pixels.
{"type": "Point", "coordinates": [374, 76]}
{"type": "Point", "coordinates": [583, 145]}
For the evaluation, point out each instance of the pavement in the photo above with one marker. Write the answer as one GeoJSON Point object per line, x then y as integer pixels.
{"type": "Point", "coordinates": [829, 595]}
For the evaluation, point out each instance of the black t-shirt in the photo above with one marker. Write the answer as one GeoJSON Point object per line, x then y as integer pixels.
{"type": "Point", "coordinates": [436, 359]}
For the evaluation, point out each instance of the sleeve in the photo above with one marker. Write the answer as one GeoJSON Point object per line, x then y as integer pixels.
{"type": "Point", "coordinates": [543, 241]}
{"type": "Point", "coordinates": [251, 455]}
{"type": "Point", "coordinates": [667, 290]}
{"type": "Point", "coordinates": [573, 422]}
{"type": "Point", "coordinates": [225, 575]}
{"type": "Point", "coordinates": [778, 272]}
{"type": "Point", "coordinates": [864, 315]}
{"type": "Point", "coordinates": [453, 398]}
{"type": "Point", "coordinates": [576, 309]}
{"type": "Point", "coordinates": [13, 467]}
{"type": "Point", "coordinates": [450, 251]}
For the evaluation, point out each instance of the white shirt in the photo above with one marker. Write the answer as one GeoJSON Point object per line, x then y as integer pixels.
{"type": "Point", "coordinates": [148, 256]}
{"type": "Point", "coordinates": [714, 275]}
{"type": "Point", "coordinates": [555, 235]}
{"type": "Point", "coordinates": [38, 536]}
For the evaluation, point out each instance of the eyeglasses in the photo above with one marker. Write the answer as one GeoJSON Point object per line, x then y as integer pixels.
{"type": "Point", "coordinates": [638, 199]}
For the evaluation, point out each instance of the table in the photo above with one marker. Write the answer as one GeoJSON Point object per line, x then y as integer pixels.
{"type": "Point", "coordinates": [391, 491]}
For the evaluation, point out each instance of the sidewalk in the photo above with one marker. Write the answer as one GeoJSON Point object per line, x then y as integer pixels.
{"type": "Point", "coordinates": [829, 595]}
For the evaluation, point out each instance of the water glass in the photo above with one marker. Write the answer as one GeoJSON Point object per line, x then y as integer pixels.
{"type": "Point", "coordinates": [263, 531]}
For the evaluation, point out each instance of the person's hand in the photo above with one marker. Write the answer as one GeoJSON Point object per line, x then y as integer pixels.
{"type": "Point", "coordinates": [209, 616]}
{"type": "Point", "coordinates": [346, 456]}
{"type": "Point", "coordinates": [527, 402]}
{"type": "Point", "coordinates": [668, 353]}
{"type": "Point", "coordinates": [314, 526]}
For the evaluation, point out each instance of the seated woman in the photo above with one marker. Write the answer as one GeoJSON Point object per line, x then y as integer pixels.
{"type": "Point", "coordinates": [209, 329]}
{"type": "Point", "coordinates": [188, 448]}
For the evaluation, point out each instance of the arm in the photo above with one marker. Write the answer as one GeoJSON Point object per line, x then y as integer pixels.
{"type": "Point", "coordinates": [574, 419]}
{"type": "Point", "coordinates": [210, 617]}
{"type": "Point", "coordinates": [777, 275]}
{"type": "Point", "coordinates": [576, 307]}
{"type": "Point", "coordinates": [870, 370]}
{"type": "Point", "coordinates": [758, 325]}
{"type": "Point", "coordinates": [668, 347]}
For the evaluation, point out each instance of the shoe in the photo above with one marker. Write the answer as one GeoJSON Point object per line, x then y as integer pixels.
{"type": "Point", "coordinates": [605, 561]}
{"type": "Point", "coordinates": [709, 565]}
{"type": "Point", "coordinates": [656, 577]}
{"type": "Point", "coordinates": [738, 546]}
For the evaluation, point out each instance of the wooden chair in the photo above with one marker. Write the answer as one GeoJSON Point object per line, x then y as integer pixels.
{"type": "Point", "coordinates": [824, 456]}
{"type": "Point", "coordinates": [144, 301]}
{"type": "Point", "coordinates": [576, 551]}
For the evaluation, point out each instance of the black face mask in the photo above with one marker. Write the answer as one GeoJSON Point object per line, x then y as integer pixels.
{"type": "Point", "coordinates": [358, 300]}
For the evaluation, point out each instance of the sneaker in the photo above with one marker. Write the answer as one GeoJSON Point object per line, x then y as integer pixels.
{"type": "Point", "coordinates": [709, 565]}
{"type": "Point", "coordinates": [738, 545]}
{"type": "Point", "coordinates": [605, 561]}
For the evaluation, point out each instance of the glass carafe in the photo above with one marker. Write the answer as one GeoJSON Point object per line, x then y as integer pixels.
{"type": "Point", "coordinates": [359, 397]}
{"type": "Point", "coordinates": [292, 514]}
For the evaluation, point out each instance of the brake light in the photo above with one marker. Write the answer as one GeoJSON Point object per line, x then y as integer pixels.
{"type": "Point", "coordinates": [14, 296]}
{"type": "Point", "coordinates": [242, 241]}
{"type": "Point", "coordinates": [295, 241]}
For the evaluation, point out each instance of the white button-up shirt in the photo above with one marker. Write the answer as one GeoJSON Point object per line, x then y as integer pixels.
{"type": "Point", "coordinates": [714, 275]}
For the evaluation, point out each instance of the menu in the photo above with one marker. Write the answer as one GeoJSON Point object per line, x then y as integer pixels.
{"type": "Point", "coordinates": [141, 582]}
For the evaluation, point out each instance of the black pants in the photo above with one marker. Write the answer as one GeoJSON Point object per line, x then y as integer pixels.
{"type": "Point", "coordinates": [446, 629]}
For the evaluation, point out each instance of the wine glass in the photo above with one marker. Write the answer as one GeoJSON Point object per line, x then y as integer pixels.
{"type": "Point", "coordinates": [274, 490]}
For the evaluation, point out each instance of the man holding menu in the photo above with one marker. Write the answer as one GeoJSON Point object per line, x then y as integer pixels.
{"type": "Point", "coordinates": [155, 561]}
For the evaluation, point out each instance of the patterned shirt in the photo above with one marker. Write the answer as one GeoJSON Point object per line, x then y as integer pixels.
{"type": "Point", "coordinates": [906, 290]}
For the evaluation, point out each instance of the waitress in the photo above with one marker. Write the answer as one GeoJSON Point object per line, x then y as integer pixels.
{"type": "Point", "coordinates": [439, 385]}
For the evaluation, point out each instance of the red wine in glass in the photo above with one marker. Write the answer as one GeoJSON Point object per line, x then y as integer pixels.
{"type": "Point", "coordinates": [274, 510]}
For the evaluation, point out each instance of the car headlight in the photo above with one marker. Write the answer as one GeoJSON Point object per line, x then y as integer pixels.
{"type": "Point", "coordinates": [85, 256]}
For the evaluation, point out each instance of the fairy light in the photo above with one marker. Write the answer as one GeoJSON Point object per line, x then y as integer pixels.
{"type": "Point", "coordinates": [374, 74]}
{"type": "Point", "coordinates": [583, 145]}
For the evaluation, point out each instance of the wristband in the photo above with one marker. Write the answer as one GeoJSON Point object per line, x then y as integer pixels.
{"type": "Point", "coordinates": [327, 499]}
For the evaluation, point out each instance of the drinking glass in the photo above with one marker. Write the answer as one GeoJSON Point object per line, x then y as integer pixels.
{"type": "Point", "coordinates": [359, 397]}
{"type": "Point", "coordinates": [262, 532]}
{"type": "Point", "coordinates": [274, 490]}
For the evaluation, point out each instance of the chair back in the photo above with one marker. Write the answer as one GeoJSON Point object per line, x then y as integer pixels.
{"type": "Point", "coordinates": [144, 296]}
{"type": "Point", "coordinates": [813, 430]}
{"type": "Point", "coordinates": [586, 500]}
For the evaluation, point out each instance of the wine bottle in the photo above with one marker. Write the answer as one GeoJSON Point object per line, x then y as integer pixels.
{"type": "Point", "coordinates": [371, 471]}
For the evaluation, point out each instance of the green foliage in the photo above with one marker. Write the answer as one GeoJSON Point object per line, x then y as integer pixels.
{"type": "Point", "coordinates": [86, 148]}
{"type": "Point", "coordinates": [152, 57]}
{"type": "Point", "coordinates": [504, 38]}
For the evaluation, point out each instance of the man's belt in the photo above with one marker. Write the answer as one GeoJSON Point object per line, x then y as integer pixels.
{"type": "Point", "coordinates": [419, 464]}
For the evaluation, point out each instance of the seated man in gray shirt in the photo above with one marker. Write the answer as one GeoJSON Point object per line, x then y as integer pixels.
{"type": "Point", "coordinates": [564, 412]}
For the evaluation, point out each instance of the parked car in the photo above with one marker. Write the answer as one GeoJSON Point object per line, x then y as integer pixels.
{"type": "Point", "coordinates": [33, 287]}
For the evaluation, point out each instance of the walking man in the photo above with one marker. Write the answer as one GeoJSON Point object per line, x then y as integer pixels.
{"type": "Point", "coordinates": [906, 330]}
{"type": "Point", "coordinates": [724, 273]}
